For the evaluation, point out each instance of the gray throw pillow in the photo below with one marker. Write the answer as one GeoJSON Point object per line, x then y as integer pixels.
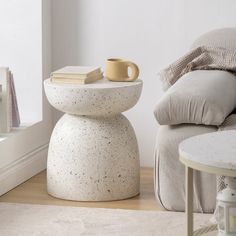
{"type": "Point", "coordinates": [198, 97]}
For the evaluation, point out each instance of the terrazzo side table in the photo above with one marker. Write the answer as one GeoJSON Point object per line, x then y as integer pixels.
{"type": "Point", "coordinates": [212, 153]}
{"type": "Point", "coordinates": [93, 152]}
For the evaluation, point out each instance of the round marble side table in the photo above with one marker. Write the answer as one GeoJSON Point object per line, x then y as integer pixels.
{"type": "Point", "coordinates": [212, 153]}
{"type": "Point", "coordinates": [93, 152]}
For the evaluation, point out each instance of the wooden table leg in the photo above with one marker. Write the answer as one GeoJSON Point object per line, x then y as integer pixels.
{"type": "Point", "coordinates": [189, 199]}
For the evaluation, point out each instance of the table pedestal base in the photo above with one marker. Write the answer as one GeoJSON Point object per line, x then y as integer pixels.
{"type": "Point", "coordinates": [93, 159]}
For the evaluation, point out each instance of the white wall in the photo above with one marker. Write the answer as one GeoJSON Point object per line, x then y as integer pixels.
{"type": "Point", "coordinates": [152, 33]}
{"type": "Point", "coordinates": [20, 50]}
{"type": "Point", "coordinates": [23, 153]}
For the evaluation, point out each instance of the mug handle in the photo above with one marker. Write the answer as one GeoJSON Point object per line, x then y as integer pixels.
{"type": "Point", "coordinates": [134, 73]}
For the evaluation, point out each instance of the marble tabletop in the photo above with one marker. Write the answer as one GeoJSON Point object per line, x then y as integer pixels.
{"type": "Point", "coordinates": [216, 149]}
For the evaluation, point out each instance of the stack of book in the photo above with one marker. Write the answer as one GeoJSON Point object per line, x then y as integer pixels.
{"type": "Point", "coordinates": [9, 112]}
{"type": "Point", "coordinates": [77, 75]}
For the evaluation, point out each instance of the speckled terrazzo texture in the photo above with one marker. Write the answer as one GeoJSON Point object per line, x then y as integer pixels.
{"type": "Point", "coordinates": [38, 220]}
{"type": "Point", "coordinates": [93, 155]}
{"type": "Point", "coordinates": [93, 159]}
{"type": "Point", "coordinates": [101, 98]}
{"type": "Point", "coordinates": [214, 149]}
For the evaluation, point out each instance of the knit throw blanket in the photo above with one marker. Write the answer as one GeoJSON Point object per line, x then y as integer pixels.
{"type": "Point", "coordinates": [200, 58]}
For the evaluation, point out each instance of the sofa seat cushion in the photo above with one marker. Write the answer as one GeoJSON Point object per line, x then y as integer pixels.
{"type": "Point", "coordinates": [170, 172]}
{"type": "Point", "coordinates": [198, 97]}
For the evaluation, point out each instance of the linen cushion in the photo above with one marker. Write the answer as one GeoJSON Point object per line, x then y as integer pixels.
{"type": "Point", "coordinates": [198, 97]}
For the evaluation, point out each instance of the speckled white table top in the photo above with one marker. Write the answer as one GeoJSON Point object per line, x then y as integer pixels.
{"type": "Point", "coordinates": [100, 98]}
{"type": "Point", "coordinates": [214, 149]}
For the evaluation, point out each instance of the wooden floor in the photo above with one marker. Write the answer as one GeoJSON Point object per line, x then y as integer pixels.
{"type": "Point", "coordinates": [34, 191]}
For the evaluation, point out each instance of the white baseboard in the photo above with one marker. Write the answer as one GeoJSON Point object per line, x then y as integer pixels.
{"type": "Point", "coordinates": [23, 169]}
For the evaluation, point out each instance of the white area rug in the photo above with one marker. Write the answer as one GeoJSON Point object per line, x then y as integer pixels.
{"type": "Point", "coordinates": [42, 220]}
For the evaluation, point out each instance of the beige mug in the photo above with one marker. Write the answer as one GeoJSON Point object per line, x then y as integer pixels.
{"type": "Point", "coordinates": [117, 70]}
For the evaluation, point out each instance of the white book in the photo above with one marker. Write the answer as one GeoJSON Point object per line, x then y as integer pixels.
{"type": "Point", "coordinates": [72, 72]}
{"type": "Point", "coordinates": [87, 80]}
{"type": "Point", "coordinates": [14, 103]}
{"type": "Point", "coordinates": [5, 104]}
{"type": "Point", "coordinates": [0, 92]}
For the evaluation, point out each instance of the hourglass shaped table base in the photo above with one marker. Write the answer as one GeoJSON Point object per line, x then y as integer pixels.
{"type": "Point", "coordinates": [93, 159]}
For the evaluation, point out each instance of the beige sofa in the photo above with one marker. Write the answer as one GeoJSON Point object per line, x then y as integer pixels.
{"type": "Point", "coordinates": [169, 172]}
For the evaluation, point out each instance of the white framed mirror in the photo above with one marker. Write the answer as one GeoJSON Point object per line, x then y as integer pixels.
{"type": "Point", "coordinates": [25, 48]}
